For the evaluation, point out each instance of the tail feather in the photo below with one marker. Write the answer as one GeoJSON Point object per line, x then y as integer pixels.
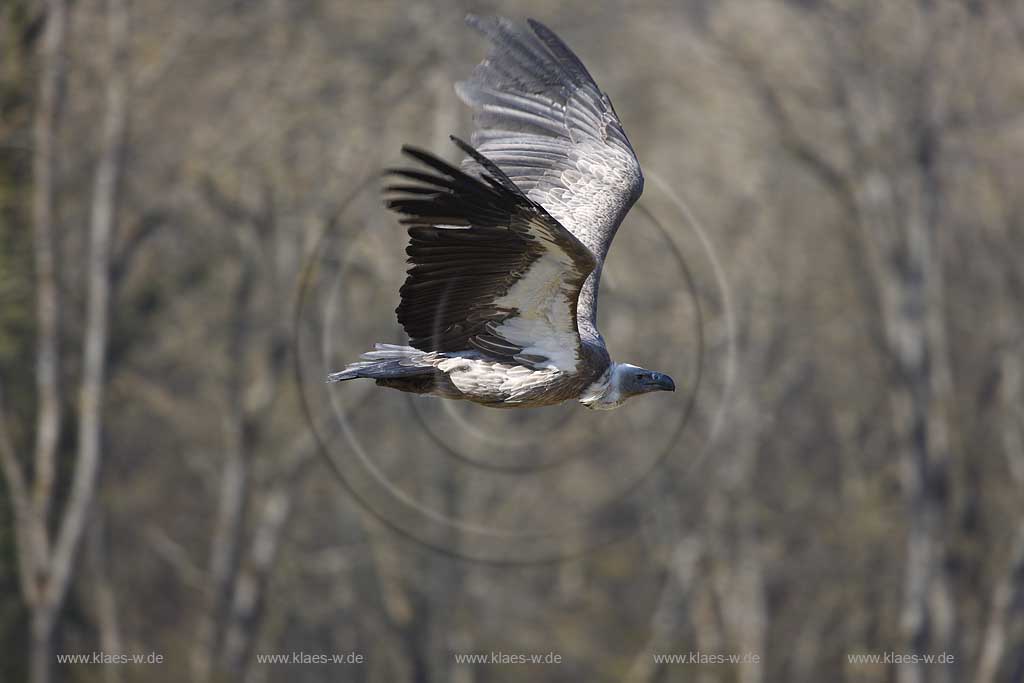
{"type": "Point", "coordinates": [386, 361]}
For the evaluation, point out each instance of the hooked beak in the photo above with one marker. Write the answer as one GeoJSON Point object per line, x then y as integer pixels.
{"type": "Point", "coordinates": [661, 382]}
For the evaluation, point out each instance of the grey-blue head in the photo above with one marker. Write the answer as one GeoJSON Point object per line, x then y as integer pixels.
{"type": "Point", "coordinates": [623, 381]}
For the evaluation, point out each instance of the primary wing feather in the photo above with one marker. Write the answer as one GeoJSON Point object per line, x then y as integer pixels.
{"type": "Point", "coordinates": [541, 118]}
{"type": "Point", "coordinates": [491, 270]}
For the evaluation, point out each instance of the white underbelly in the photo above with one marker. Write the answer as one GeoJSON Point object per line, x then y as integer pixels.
{"type": "Point", "coordinates": [493, 380]}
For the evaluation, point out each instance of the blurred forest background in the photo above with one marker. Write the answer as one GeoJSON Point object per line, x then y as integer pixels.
{"type": "Point", "coordinates": [191, 237]}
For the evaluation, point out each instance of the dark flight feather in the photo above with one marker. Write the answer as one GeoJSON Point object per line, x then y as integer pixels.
{"type": "Point", "coordinates": [471, 240]}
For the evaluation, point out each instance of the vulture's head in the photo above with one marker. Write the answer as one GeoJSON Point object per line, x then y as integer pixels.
{"type": "Point", "coordinates": [624, 381]}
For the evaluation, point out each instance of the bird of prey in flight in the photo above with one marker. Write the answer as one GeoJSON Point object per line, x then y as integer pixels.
{"type": "Point", "coordinates": [505, 253]}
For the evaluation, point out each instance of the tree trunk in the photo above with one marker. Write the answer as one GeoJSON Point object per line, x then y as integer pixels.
{"type": "Point", "coordinates": [33, 549]}
{"type": "Point", "coordinates": [102, 596]}
{"type": "Point", "coordinates": [249, 595]}
{"type": "Point", "coordinates": [913, 307]}
{"type": "Point", "coordinates": [42, 655]}
{"type": "Point", "coordinates": [97, 322]}
{"type": "Point", "coordinates": [44, 164]}
{"type": "Point", "coordinates": [1007, 602]}
{"type": "Point", "coordinates": [233, 496]}
{"type": "Point", "coordinates": [1006, 608]}
{"type": "Point", "coordinates": [53, 569]}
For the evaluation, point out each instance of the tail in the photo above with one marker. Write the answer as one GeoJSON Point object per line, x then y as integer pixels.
{"type": "Point", "coordinates": [386, 361]}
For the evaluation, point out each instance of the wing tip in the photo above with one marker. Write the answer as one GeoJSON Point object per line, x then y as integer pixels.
{"type": "Point", "coordinates": [497, 175]}
{"type": "Point", "coordinates": [485, 20]}
{"type": "Point", "coordinates": [537, 26]}
{"type": "Point", "coordinates": [485, 23]}
{"type": "Point", "coordinates": [461, 144]}
{"type": "Point", "coordinates": [413, 151]}
{"type": "Point", "coordinates": [470, 150]}
{"type": "Point", "coordinates": [478, 22]}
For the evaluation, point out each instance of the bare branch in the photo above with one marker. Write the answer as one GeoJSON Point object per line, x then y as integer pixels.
{"type": "Point", "coordinates": [48, 416]}
{"type": "Point", "coordinates": [177, 556]}
{"type": "Point", "coordinates": [104, 211]}
{"type": "Point", "coordinates": [148, 224]}
{"type": "Point", "coordinates": [23, 512]}
{"type": "Point", "coordinates": [838, 181]}
{"type": "Point", "coordinates": [1007, 603]}
{"type": "Point", "coordinates": [248, 598]}
{"type": "Point", "coordinates": [234, 492]}
{"type": "Point", "coordinates": [103, 597]}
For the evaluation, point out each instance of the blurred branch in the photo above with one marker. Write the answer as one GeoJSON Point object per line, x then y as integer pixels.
{"type": "Point", "coordinates": [24, 514]}
{"type": "Point", "coordinates": [248, 599]}
{"type": "Point", "coordinates": [1007, 606]}
{"type": "Point", "coordinates": [103, 597]}
{"type": "Point", "coordinates": [682, 575]}
{"type": "Point", "coordinates": [234, 491]}
{"type": "Point", "coordinates": [147, 225]}
{"type": "Point", "coordinates": [251, 227]}
{"type": "Point", "coordinates": [44, 163]}
{"type": "Point", "coordinates": [47, 587]}
{"type": "Point", "coordinates": [177, 556]}
{"type": "Point", "coordinates": [97, 324]}
{"type": "Point", "coordinates": [836, 180]}
{"type": "Point", "coordinates": [171, 47]}
{"type": "Point", "coordinates": [891, 198]}
{"type": "Point", "coordinates": [154, 395]}
{"type": "Point", "coordinates": [47, 375]}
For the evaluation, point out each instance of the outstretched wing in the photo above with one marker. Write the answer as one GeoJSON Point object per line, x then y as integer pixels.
{"type": "Point", "coordinates": [491, 270]}
{"type": "Point", "coordinates": [541, 118]}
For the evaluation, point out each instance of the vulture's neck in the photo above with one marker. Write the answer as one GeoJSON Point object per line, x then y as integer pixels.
{"type": "Point", "coordinates": [605, 393]}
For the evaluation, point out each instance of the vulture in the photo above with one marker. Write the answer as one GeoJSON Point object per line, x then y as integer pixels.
{"type": "Point", "coordinates": [505, 252]}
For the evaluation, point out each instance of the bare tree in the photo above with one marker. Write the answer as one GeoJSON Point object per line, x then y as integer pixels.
{"type": "Point", "coordinates": [1007, 600]}
{"type": "Point", "coordinates": [47, 569]}
{"type": "Point", "coordinates": [31, 510]}
{"type": "Point", "coordinates": [242, 551]}
{"type": "Point", "coordinates": [893, 199]}
{"type": "Point", "coordinates": [849, 480]}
